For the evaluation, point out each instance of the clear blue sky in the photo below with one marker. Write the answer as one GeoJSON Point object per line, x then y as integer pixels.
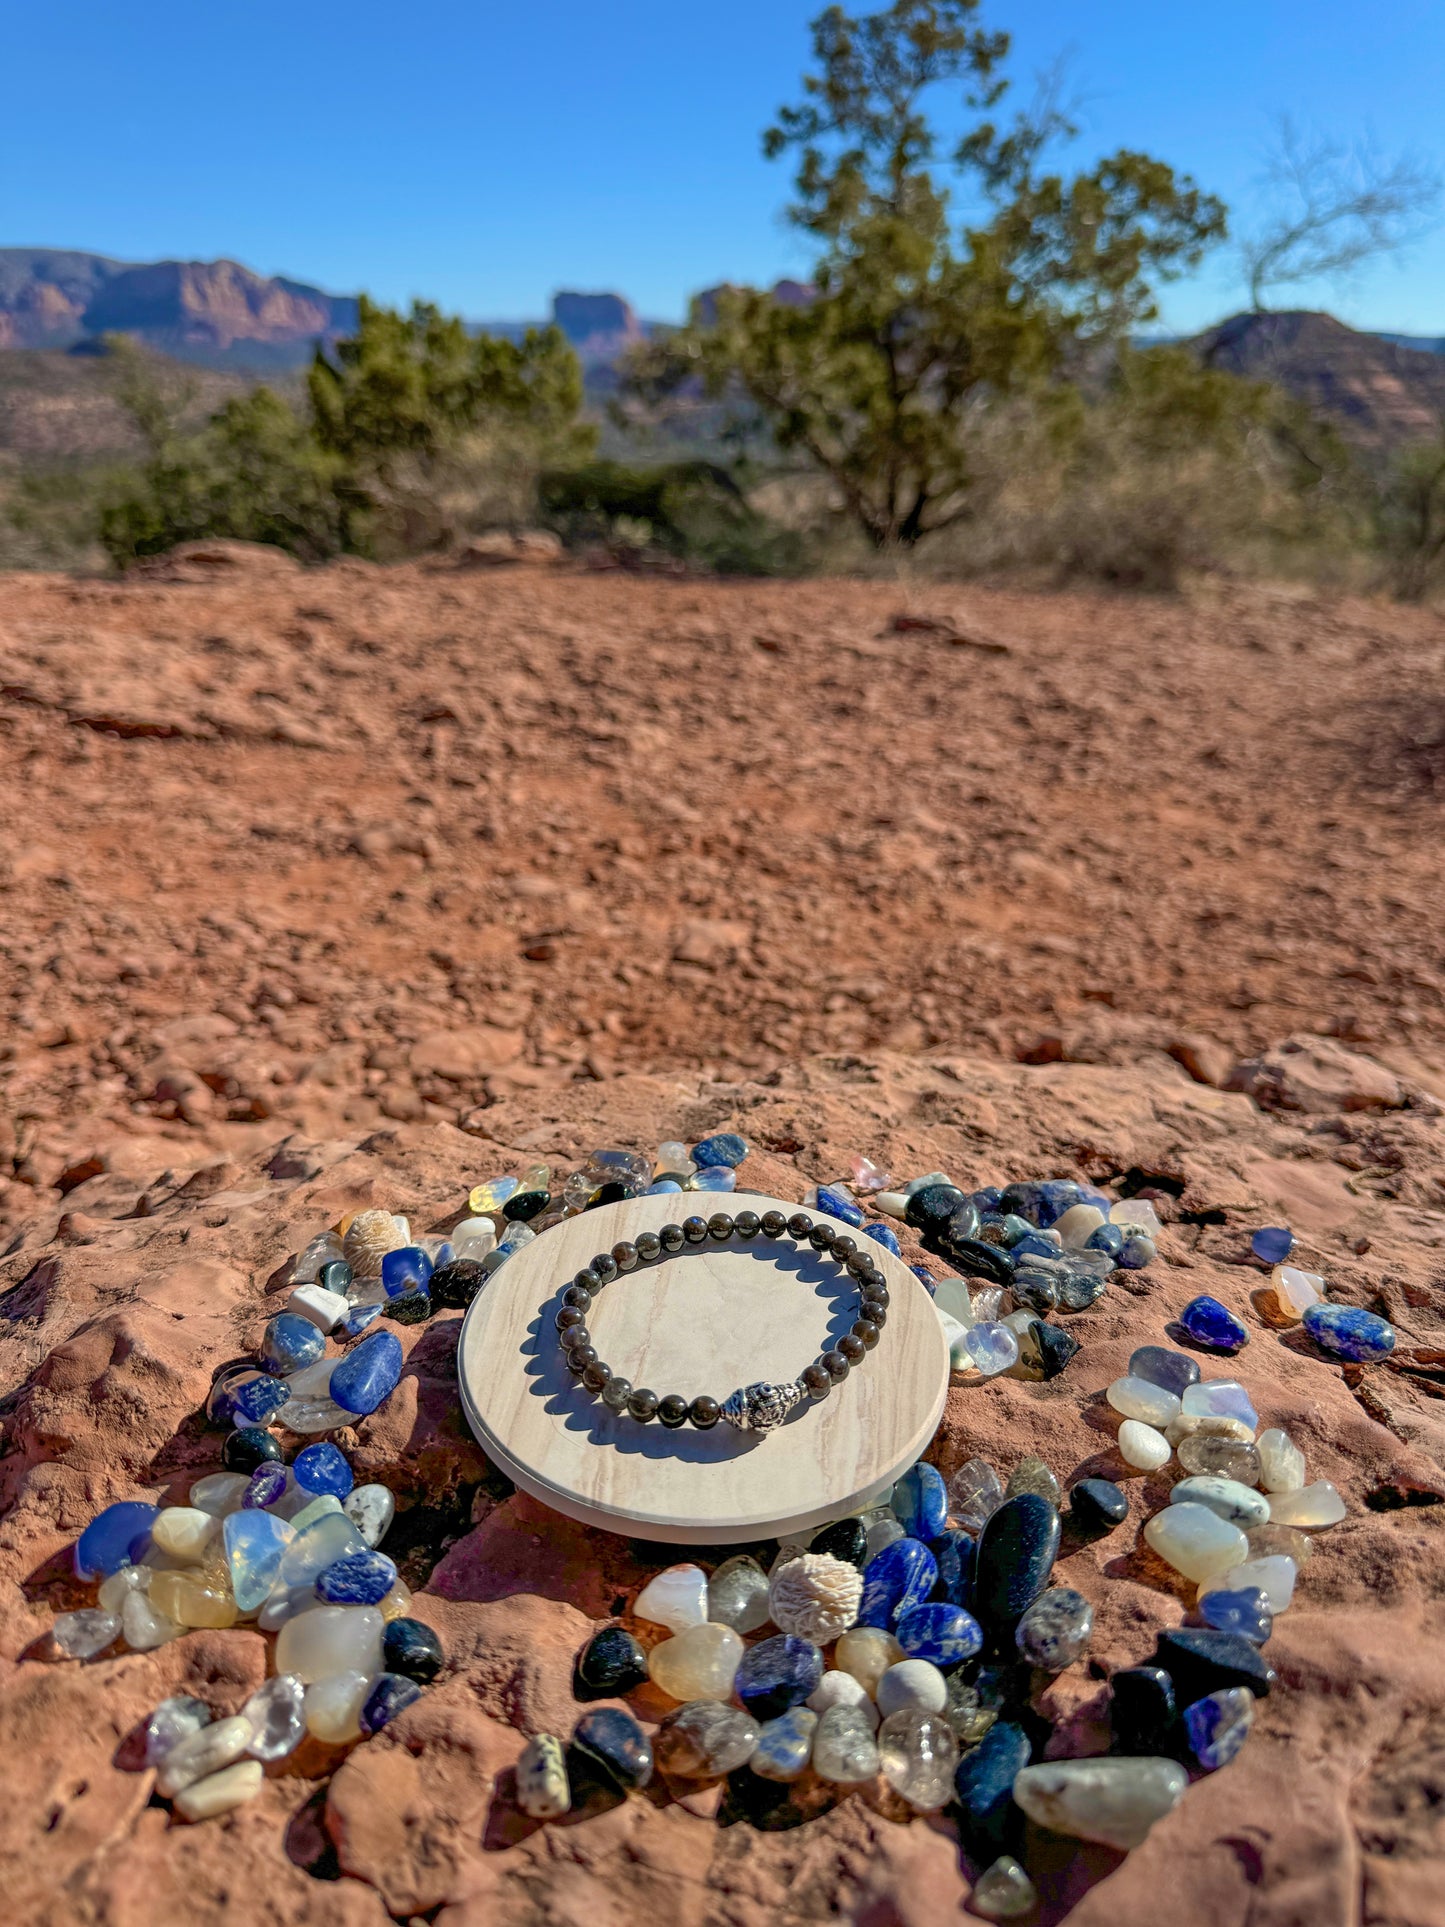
{"type": "Point", "coordinates": [485, 155]}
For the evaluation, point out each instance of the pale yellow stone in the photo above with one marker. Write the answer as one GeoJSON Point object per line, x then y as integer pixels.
{"type": "Point", "coordinates": [1196, 1541]}
{"type": "Point", "coordinates": [397, 1603]}
{"type": "Point", "coordinates": [184, 1531]}
{"type": "Point", "coordinates": [867, 1652]}
{"type": "Point", "coordinates": [1282, 1463]}
{"type": "Point", "coordinates": [333, 1706]}
{"type": "Point", "coordinates": [193, 1599]}
{"type": "Point", "coordinates": [1295, 1291]}
{"type": "Point", "coordinates": [1312, 1507]}
{"type": "Point", "coordinates": [1209, 1425]}
{"type": "Point", "coordinates": [230, 1788]}
{"type": "Point", "coordinates": [698, 1664]}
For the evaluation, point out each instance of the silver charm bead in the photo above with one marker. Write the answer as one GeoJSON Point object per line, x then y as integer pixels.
{"type": "Point", "coordinates": [760, 1407]}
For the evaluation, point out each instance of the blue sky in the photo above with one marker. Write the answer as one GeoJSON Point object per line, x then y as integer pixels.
{"type": "Point", "coordinates": [485, 155]}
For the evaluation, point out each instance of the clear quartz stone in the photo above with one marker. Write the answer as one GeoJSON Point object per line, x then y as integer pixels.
{"type": "Point", "coordinates": [1032, 1475]}
{"type": "Point", "coordinates": [1273, 1575]}
{"type": "Point", "coordinates": [277, 1712]}
{"type": "Point", "coordinates": [844, 1749]}
{"type": "Point", "coordinates": [737, 1595]}
{"type": "Point", "coordinates": [1004, 1891]}
{"type": "Point", "coordinates": [676, 1598]}
{"type": "Point", "coordinates": [1282, 1464]}
{"type": "Point", "coordinates": [965, 1711]}
{"type": "Point", "coordinates": [144, 1627]}
{"type": "Point", "coordinates": [697, 1664]}
{"type": "Point", "coordinates": [1138, 1214]}
{"type": "Point", "coordinates": [1219, 1398]}
{"type": "Point", "coordinates": [1209, 1456]}
{"type": "Point", "coordinates": [975, 1493]}
{"type": "Point", "coordinates": [174, 1720]}
{"type": "Point", "coordinates": [84, 1634]}
{"type": "Point", "coordinates": [992, 1347]}
{"type": "Point", "coordinates": [112, 1592]}
{"type": "Point", "coordinates": [705, 1739]}
{"type": "Point", "coordinates": [918, 1753]}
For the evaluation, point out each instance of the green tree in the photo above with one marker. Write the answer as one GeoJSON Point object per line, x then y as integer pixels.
{"type": "Point", "coordinates": [918, 315]}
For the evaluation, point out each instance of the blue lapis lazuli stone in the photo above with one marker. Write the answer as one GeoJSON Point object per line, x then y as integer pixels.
{"type": "Point", "coordinates": [405, 1270]}
{"type": "Point", "coordinates": [290, 1342]}
{"type": "Point", "coordinates": [255, 1544]}
{"type": "Point", "coordinates": [1135, 1252]}
{"type": "Point", "coordinates": [884, 1235]}
{"type": "Point", "coordinates": [268, 1484]}
{"type": "Point", "coordinates": [726, 1147]}
{"type": "Point", "coordinates": [117, 1537]}
{"type": "Point", "coordinates": [920, 1502]}
{"type": "Point", "coordinates": [942, 1633]}
{"type": "Point", "coordinates": [778, 1674]}
{"type": "Point", "coordinates": [368, 1374]}
{"type": "Point", "coordinates": [1347, 1332]}
{"type": "Point", "coordinates": [1210, 1323]}
{"type": "Point", "coordinates": [1245, 1612]}
{"type": "Point", "coordinates": [1109, 1239]}
{"type": "Point", "coordinates": [925, 1278]}
{"type": "Point", "coordinates": [246, 1398]}
{"type": "Point", "coordinates": [985, 1200]}
{"type": "Point", "coordinates": [1272, 1244]}
{"type": "Point", "coordinates": [953, 1551]}
{"type": "Point", "coordinates": [392, 1694]}
{"type": "Point", "coordinates": [358, 1579]}
{"type": "Point", "coordinates": [900, 1576]}
{"type": "Point", "coordinates": [361, 1318]}
{"type": "Point", "coordinates": [838, 1206]}
{"type": "Point", "coordinates": [322, 1468]}
{"type": "Point", "coordinates": [1218, 1726]}
{"type": "Point", "coordinates": [1056, 1196]}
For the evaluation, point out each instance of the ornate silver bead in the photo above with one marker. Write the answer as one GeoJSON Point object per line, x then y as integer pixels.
{"type": "Point", "coordinates": [760, 1407]}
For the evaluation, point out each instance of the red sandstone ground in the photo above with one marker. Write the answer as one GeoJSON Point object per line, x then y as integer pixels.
{"type": "Point", "coordinates": [307, 870]}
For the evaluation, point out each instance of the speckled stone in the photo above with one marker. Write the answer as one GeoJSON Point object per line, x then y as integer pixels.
{"type": "Point", "coordinates": [321, 1468]}
{"type": "Point", "coordinates": [1210, 1323]}
{"type": "Point", "coordinates": [778, 1674]}
{"type": "Point", "coordinates": [1345, 1331]}
{"type": "Point", "coordinates": [845, 1752]}
{"type": "Point", "coordinates": [944, 1634]}
{"type": "Point", "coordinates": [361, 1578]}
{"type": "Point", "coordinates": [1055, 1630]}
{"type": "Point", "coordinates": [725, 1147]}
{"type": "Point", "coordinates": [1032, 1475]}
{"type": "Point", "coordinates": [543, 1789]}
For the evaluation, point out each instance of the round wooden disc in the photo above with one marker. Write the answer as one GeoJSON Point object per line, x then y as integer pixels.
{"type": "Point", "coordinates": [712, 1318]}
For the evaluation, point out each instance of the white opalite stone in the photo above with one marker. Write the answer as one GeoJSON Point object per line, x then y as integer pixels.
{"type": "Point", "coordinates": [893, 1204]}
{"type": "Point", "coordinates": [333, 1706]}
{"type": "Point", "coordinates": [1137, 1213]}
{"type": "Point", "coordinates": [1275, 1576]}
{"type": "Point", "coordinates": [675, 1597]}
{"type": "Point", "coordinates": [184, 1531]}
{"type": "Point", "coordinates": [331, 1639]}
{"type": "Point", "coordinates": [1311, 1506]}
{"type": "Point", "coordinates": [221, 1791]}
{"type": "Point", "coordinates": [1137, 1398]}
{"type": "Point", "coordinates": [1078, 1225]}
{"type": "Point", "coordinates": [283, 1604]}
{"type": "Point", "coordinates": [912, 1682]}
{"type": "Point", "coordinates": [474, 1238]}
{"type": "Point", "coordinates": [1141, 1446]}
{"type": "Point", "coordinates": [203, 1753]}
{"type": "Point", "coordinates": [220, 1493]}
{"type": "Point", "coordinates": [1196, 1541]}
{"type": "Point", "coordinates": [1240, 1504]}
{"type": "Point", "coordinates": [371, 1509]}
{"type": "Point", "coordinates": [320, 1545]}
{"type": "Point", "coordinates": [326, 1309]}
{"type": "Point", "coordinates": [1295, 1290]}
{"type": "Point", "coordinates": [1282, 1460]}
{"type": "Point", "coordinates": [1115, 1802]}
{"type": "Point", "coordinates": [842, 1689]}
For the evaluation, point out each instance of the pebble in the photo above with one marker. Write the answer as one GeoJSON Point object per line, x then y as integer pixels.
{"type": "Point", "coordinates": [1220, 1398]}
{"type": "Point", "coordinates": [116, 1537]}
{"type": "Point", "coordinates": [186, 1531]}
{"type": "Point", "coordinates": [676, 1598]}
{"type": "Point", "coordinates": [371, 1509]}
{"type": "Point", "coordinates": [785, 1745]}
{"type": "Point", "coordinates": [737, 1594]}
{"type": "Point", "coordinates": [841, 1689]}
{"type": "Point", "coordinates": [920, 1501]}
{"type": "Point", "coordinates": [202, 1753]}
{"type": "Point", "coordinates": [491, 1195]}
{"type": "Point", "coordinates": [411, 1648]}
{"type": "Point", "coordinates": [1003, 1891]}
{"type": "Point", "coordinates": [1032, 1475]}
{"type": "Point", "coordinates": [1055, 1630]}
{"type": "Point", "coordinates": [1295, 1291]}
{"type": "Point", "coordinates": [1113, 1801]}
{"type": "Point", "coordinates": [726, 1147]}
{"type": "Point", "coordinates": [368, 1374]}
{"type": "Point", "coordinates": [867, 1652]}
{"type": "Point", "coordinates": [953, 1551]}
{"type": "Point", "coordinates": [1218, 1726]}
{"type": "Point", "coordinates": [174, 1720]}
{"type": "Point", "coordinates": [333, 1706]}
{"type": "Point", "coordinates": [410, 1308]}
{"type": "Point", "coordinates": [900, 1576]}
{"type": "Point", "coordinates": [816, 1596]}
{"type": "Point", "coordinates": [992, 1347]}
{"type": "Point", "coordinates": [1274, 1576]}
{"type": "Point", "coordinates": [320, 1307]}
{"type": "Point", "coordinates": [330, 1639]}
{"type": "Point", "coordinates": [975, 1492]}
{"type": "Point", "coordinates": [836, 1205]}
{"type": "Point", "coordinates": [611, 1664]}
{"type": "Point", "coordinates": [219, 1792]}
{"type": "Point", "coordinates": [319, 1545]}
{"type": "Point", "coordinates": [277, 1713]}
{"type": "Point", "coordinates": [1264, 1541]}
{"type": "Point", "coordinates": [918, 1753]}
{"type": "Point", "coordinates": [1195, 1541]}
{"type": "Point", "coordinates": [256, 1543]}
{"type": "Point", "coordinates": [268, 1485]}
{"type": "Point", "coordinates": [1098, 1504]}
{"type": "Point", "coordinates": [361, 1578]}
{"type": "Point", "coordinates": [543, 1789]}
{"type": "Point", "coordinates": [1222, 1458]}
{"type": "Point", "coordinates": [1344, 1331]}
{"type": "Point", "coordinates": [1137, 1213]}
{"type": "Point", "coordinates": [944, 1634]}
{"type": "Point", "coordinates": [611, 1740]}
{"type": "Point", "coordinates": [323, 1469]}
{"type": "Point", "coordinates": [1281, 1463]}
{"type": "Point", "coordinates": [1163, 1366]}
{"type": "Point", "coordinates": [220, 1492]}
{"type": "Point", "coordinates": [1142, 1447]}
{"type": "Point", "coordinates": [1055, 1346]}
{"type": "Point", "coordinates": [201, 1596]}
{"type": "Point", "coordinates": [1201, 1661]}
{"type": "Point", "coordinates": [882, 1235]}
{"type": "Point", "coordinates": [1272, 1244]}
{"type": "Point", "coordinates": [983, 1786]}
{"type": "Point", "coordinates": [705, 1740]}
{"type": "Point", "coordinates": [1016, 1551]}
{"type": "Point", "coordinates": [1237, 1609]}
{"type": "Point", "coordinates": [1141, 1709]}
{"type": "Point", "coordinates": [1240, 1504]}
{"type": "Point", "coordinates": [914, 1683]}
{"type": "Point", "coordinates": [698, 1664]}
{"type": "Point", "coordinates": [452, 1287]}
{"type": "Point", "coordinates": [86, 1633]}
{"type": "Point", "coordinates": [1138, 1399]}
{"type": "Point", "coordinates": [777, 1674]}
{"type": "Point", "coordinates": [1210, 1323]}
{"type": "Point", "coordinates": [845, 1752]}
{"type": "Point", "coordinates": [1311, 1506]}
{"type": "Point", "coordinates": [390, 1695]}
{"type": "Point", "coordinates": [289, 1342]}
{"type": "Point", "coordinates": [844, 1539]}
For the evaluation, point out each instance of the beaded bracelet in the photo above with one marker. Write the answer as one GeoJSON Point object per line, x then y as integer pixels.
{"type": "Point", "coordinates": [752, 1408]}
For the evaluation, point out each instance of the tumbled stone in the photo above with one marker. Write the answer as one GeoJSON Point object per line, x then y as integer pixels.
{"type": "Point", "coordinates": [1138, 1213]}
{"type": "Point", "coordinates": [321, 1307]}
{"type": "Point", "coordinates": [290, 1342]}
{"type": "Point", "coordinates": [196, 1596]}
{"type": "Point", "coordinates": [724, 1147]}
{"type": "Point", "coordinates": [267, 1487]}
{"type": "Point", "coordinates": [1032, 1475]}
{"type": "Point", "coordinates": [1172, 1370]}
{"type": "Point", "coordinates": [844, 1539]}
{"type": "Point", "coordinates": [698, 1664]}
{"type": "Point", "coordinates": [144, 1627]}
{"type": "Point", "coordinates": [867, 1652]}
{"type": "Point", "coordinates": [219, 1493]}
{"type": "Point", "coordinates": [1003, 1891]}
{"type": "Point", "coordinates": [277, 1712]}
{"type": "Point", "coordinates": [1220, 1398]}
{"type": "Point", "coordinates": [900, 1576]}
{"type": "Point", "coordinates": [1141, 1446]}
{"type": "Point", "coordinates": [966, 1712]}
{"type": "Point", "coordinates": [203, 1753]}
{"type": "Point", "coordinates": [116, 1537]}
{"type": "Point", "coordinates": [1210, 1323]}
{"type": "Point", "coordinates": [184, 1532]}
{"type": "Point", "coordinates": [1345, 1331]}
{"type": "Point", "coordinates": [611, 1664]}
{"type": "Point", "coordinates": [1112, 1801]}
{"type": "Point", "coordinates": [256, 1543]}
{"type": "Point", "coordinates": [705, 1739]}
{"type": "Point", "coordinates": [975, 1492]}
{"type": "Point", "coordinates": [918, 1753]}
{"type": "Point", "coordinates": [317, 1546]}
{"type": "Point", "coordinates": [85, 1633]}
{"type": "Point", "coordinates": [321, 1469]}
{"type": "Point", "coordinates": [389, 1697]}
{"type": "Point", "coordinates": [1055, 1630]}
{"type": "Point", "coordinates": [1218, 1726]}
{"type": "Point", "coordinates": [737, 1595]}
{"type": "Point", "coordinates": [845, 1752]}
{"type": "Point", "coordinates": [411, 1648]}
{"type": "Point", "coordinates": [777, 1674]}
{"type": "Point", "coordinates": [220, 1792]}
{"type": "Point", "coordinates": [1078, 1224]}
{"type": "Point", "coordinates": [992, 1347]}
{"type": "Point", "coordinates": [1056, 1347]}
{"type": "Point", "coordinates": [1016, 1551]}
{"type": "Point", "coordinates": [1195, 1541]}
{"type": "Point", "coordinates": [249, 1447]}
{"type": "Point", "coordinates": [1141, 1709]}
{"type": "Point", "coordinates": [1272, 1244]}
{"type": "Point", "coordinates": [1200, 1661]}
{"type": "Point", "coordinates": [452, 1287]}
{"type": "Point", "coordinates": [368, 1374]}
{"type": "Point", "coordinates": [785, 1745]}
{"type": "Point", "coordinates": [543, 1789]}
{"type": "Point", "coordinates": [941, 1633]}
{"type": "Point", "coordinates": [920, 1501]}
{"type": "Point", "coordinates": [1236, 1609]}
{"type": "Point", "coordinates": [330, 1639]}
{"type": "Point", "coordinates": [1208, 1456]}
{"type": "Point", "coordinates": [362, 1578]}
{"type": "Point", "coordinates": [983, 1785]}
{"type": "Point", "coordinates": [1274, 1576]}
{"type": "Point", "coordinates": [1098, 1504]}
{"type": "Point", "coordinates": [1265, 1541]}
{"type": "Point", "coordinates": [1240, 1504]}
{"type": "Point", "coordinates": [613, 1744]}
{"type": "Point", "coordinates": [676, 1598]}
{"type": "Point", "coordinates": [333, 1706]}
{"type": "Point", "coordinates": [882, 1532]}
{"type": "Point", "coordinates": [912, 1683]}
{"type": "Point", "coordinates": [953, 1554]}
{"type": "Point", "coordinates": [174, 1720]}
{"type": "Point", "coordinates": [1311, 1506]}
{"type": "Point", "coordinates": [1295, 1291]}
{"type": "Point", "coordinates": [1137, 1398]}
{"type": "Point", "coordinates": [371, 1509]}
{"type": "Point", "coordinates": [1282, 1464]}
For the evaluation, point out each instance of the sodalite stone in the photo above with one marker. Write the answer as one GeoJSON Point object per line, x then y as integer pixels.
{"type": "Point", "coordinates": [267, 1485]}
{"type": "Point", "coordinates": [368, 1374]}
{"type": "Point", "coordinates": [900, 1576]}
{"type": "Point", "coordinates": [1272, 1244]}
{"type": "Point", "coordinates": [290, 1342]}
{"type": "Point", "coordinates": [1349, 1333]}
{"type": "Point", "coordinates": [1218, 1726]}
{"type": "Point", "coordinates": [246, 1398]}
{"type": "Point", "coordinates": [920, 1501]}
{"type": "Point", "coordinates": [726, 1147]}
{"type": "Point", "coordinates": [1137, 1252]}
{"type": "Point", "coordinates": [612, 1743]}
{"type": "Point", "coordinates": [1245, 1612]}
{"type": "Point", "coordinates": [358, 1579]}
{"type": "Point", "coordinates": [983, 1785]}
{"type": "Point", "coordinates": [953, 1550]}
{"type": "Point", "coordinates": [256, 1544]}
{"type": "Point", "coordinates": [881, 1234]}
{"type": "Point", "coordinates": [411, 1648]}
{"type": "Point", "coordinates": [777, 1675]}
{"type": "Point", "coordinates": [1109, 1238]}
{"type": "Point", "coordinates": [785, 1745]}
{"type": "Point", "coordinates": [322, 1468]}
{"type": "Point", "coordinates": [390, 1695]}
{"type": "Point", "coordinates": [117, 1537]}
{"type": "Point", "coordinates": [1210, 1323]}
{"type": "Point", "coordinates": [925, 1278]}
{"type": "Point", "coordinates": [837, 1206]}
{"type": "Point", "coordinates": [943, 1634]}
{"type": "Point", "coordinates": [1016, 1553]}
{"type": "Point", "coordinates": [361, 1318]}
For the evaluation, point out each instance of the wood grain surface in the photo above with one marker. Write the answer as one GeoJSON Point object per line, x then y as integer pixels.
{"type": "Point", "coordinates": [707, 1320]}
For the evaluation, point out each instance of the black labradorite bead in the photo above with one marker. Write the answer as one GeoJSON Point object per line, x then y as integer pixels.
{"type": "Point", "coordinates": [643, 1405]}
{"type": "Point", "coordinates": [248, 1448]}
{"type": "Point", "coordinates": [860, 1266]}
{"type": "Point", "coordinates": [523, 1205]}
{"type": "Point", "coordinates": [649, 1246]}
{"type": "Point", "coordinates": [579, 1358]}
{"type": "Point", "coordinates": [588, 1280]}
{"type": "Point", "coordinates": [815, 1379]}
{"type": "Point", "coordinates": [720, 1226]}
{"type": "Point", "coordinates": [799, 1225]}
{"type": "Point", "coordinates": [574, 1295]}
{"type": "Point", "coordinates": [604, 1267]}
{"type": "Point", "coordinates": [596, 1376]}
{"type": "Point", "coordinates": [867, 1329]}
{"type": "Point", "coordinates": [694, 1230]}
{"type": "Point", "coordinates": [875, 1313]}
{"type": "Point", "coordinates": [454, 1286]}
{"type": "Point", "coordinates": [672, 1411]}
{"type": "Point", "coordinates": [568, 1316]}
{"type": "Point", "coordinates": [409, 1308]}
{"type": "Point", "coordinates": [845, 1539]}
{"type": "Point", "coordinates": [673, 1237]}
{"type": "Point", "coordinates": [626, 1255]}
{"type": "Point", "coordinates": [835, 1365]}
{"type": "Point", "coordinates": [774, 1224]}
{"type": "Point", "coordinates": [821, 1237]}
{"type": "Point", "coordinates": [412, 1649]}
{"type": "Point", "coordinates": [616, 1392]}
{"type": "Point", "coordinates": [747, 1224]}
{"type": "Point", "coordinates": [844, 1247]}
{"type": "Point", "coordinates": [575, 1335]}
{"type": "Point", "coordinates": [853, 1349]}
{"type": "Point", "coordinates": [609, 1665]}
{"type": "Point", "coordinates": [704, 1412]}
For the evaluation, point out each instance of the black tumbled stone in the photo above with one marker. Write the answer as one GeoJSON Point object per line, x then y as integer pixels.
{"type": "Point", "coordinates": [1012, 1560]}
{"type": "Point", "coordinates": [611, 1664]}
{"type": "Point", "coordinates": [845, 1539]}
{"type": "Point", "coordinates": [1098, 1505]}
{"type": "Point", "coordinates": [1141, 1710]}
{"type": "Point", "coordinates": [976, 1259]}
{"type": "Point", "coordinates": [613, 1743]}
{"type": "Point", "coordinates": [412, 1649]}
{"type": "Point", "coordinates": [1056, 1346]}
{"type": "Point", "coordinates": [248, 1448]}
{"type": "Point", "coordinates": [523, 1205]}
{"type": "Point", "coordinates": [989, 1821]}
{"type": "Point", "coordinates": [933, 1206]}
{"type": "Point", "coordinates": [409, 1308]}
{"type": "Point", "coordinates": [453, 1287]}
{"type": "Point", "coordinates": [1200, 1661]}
